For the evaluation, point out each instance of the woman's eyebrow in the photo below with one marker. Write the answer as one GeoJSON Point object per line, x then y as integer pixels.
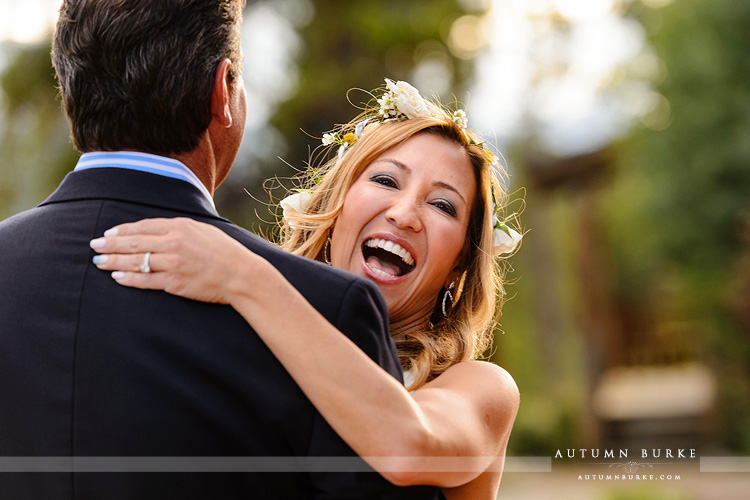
{"type": "Point", "coordinates": [440, 184]}
{"type": "Point", "coordinates": [447, 186]}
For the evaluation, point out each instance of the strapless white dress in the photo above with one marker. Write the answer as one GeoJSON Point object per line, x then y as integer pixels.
{"type": "Point", "coordinates": [408, 378]}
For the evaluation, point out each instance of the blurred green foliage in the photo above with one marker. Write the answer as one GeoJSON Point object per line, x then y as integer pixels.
{"type": "Point", "coordinates": [691, 180]}
{"type": "Point", "coordinates": [355, 45]}
{"type": "Point", "coordinates": [35, 150]}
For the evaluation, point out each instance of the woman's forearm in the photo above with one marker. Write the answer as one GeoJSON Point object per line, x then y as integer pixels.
{"type": "Point", "coordinates": [333, 372]}
{"type": "Point", "coordinates": [366, 406]}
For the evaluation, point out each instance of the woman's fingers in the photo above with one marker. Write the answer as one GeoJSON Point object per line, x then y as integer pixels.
{"type": "Point", "coordinates": [145, 281]}
{"type": "Point", "coordinates": [126, 270]}
{"type": "Point", "coordinates": [129, 244]}
{"type": "Point", "coordinates": [181, 256]}
{"type": "Point", "coordinates": [125, 262]}
{"type": "Point", "coordinates": [149, 235]}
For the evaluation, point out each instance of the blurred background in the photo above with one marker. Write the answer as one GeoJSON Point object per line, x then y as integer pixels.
{"type": "Point", "coordinates": [625, 125]}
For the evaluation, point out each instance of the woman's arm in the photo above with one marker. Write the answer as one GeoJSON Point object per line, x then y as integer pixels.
{"type": "Point", "coordinates": [445, 434]}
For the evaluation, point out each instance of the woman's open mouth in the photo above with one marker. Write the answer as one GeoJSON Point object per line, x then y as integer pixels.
{"type": "Point", "coordinates": [386, 258]}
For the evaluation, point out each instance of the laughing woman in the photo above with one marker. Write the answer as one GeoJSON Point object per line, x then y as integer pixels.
{"type": "Point", "coordinates": [410, 202]}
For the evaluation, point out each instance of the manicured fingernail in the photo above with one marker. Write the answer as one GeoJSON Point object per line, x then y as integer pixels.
{"type": "Point", "coordinates": [118, 275]}
{"type": "Point", "coordinates": [111, 232]}
{"type": "Point", "coordinates": [100, 259]}
{"type": "Point", "coordinates": [98, 243]}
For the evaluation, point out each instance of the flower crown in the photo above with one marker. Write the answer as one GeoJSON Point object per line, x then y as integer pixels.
{"type": "Point", "coordinates": [401, 101]}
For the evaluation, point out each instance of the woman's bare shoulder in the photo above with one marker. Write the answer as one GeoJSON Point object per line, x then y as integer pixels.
{"type": "Point", "coordinates": [483, 380]}
{"type": "Point", "coordinates": [481, 395]}
{"type": "Point", "coordinates": [482, 373]}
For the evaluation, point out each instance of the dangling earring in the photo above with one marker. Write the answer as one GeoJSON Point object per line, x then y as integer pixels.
{"type": "Point", "coordinates": [446, 295]}
{"type": "Point", "coordinates": [326, 251]}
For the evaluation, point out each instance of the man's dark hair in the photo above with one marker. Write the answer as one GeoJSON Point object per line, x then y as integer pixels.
{"type": "Point", "coordinates": [138, 74]}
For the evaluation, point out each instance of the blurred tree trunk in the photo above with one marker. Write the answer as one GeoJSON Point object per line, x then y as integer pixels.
{"type": "Point", "coordinates": [579, 178]}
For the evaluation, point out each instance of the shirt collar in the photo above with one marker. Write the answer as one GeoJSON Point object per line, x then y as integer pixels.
{"type": "Point", "coordinates": [142, 162]}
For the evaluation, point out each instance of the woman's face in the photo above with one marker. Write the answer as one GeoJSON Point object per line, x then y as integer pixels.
{"type": "Point", "coordinates": [403, 224]}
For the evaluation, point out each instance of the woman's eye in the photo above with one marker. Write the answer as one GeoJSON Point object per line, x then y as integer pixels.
{"type": "Point", "coordinates": [445, 206]}
{"type": "Point", "coordinates": [384, 180]}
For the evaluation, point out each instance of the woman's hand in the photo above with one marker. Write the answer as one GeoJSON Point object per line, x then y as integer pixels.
{"type": "Point", "coordinates": [187, 258]}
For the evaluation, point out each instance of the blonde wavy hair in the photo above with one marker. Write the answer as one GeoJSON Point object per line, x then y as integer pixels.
{"type": "Point", "coordinates": [465, 332]}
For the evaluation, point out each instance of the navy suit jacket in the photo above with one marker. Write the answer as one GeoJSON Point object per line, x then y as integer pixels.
{"type": "Point", "coordinates": [89, 368]}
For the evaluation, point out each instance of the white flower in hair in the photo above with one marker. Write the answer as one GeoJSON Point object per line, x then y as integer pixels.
{"type": "Point", "coordinates": [459, 116]}
{"type": "Point", "coordinates": [505, 239]}
{"type": "Point", "coordinates": [387, 106]}
{"type": "Point", "coordinates": [294, 205]}
{"type": "Point", "coordinates": [360, 127]}
{"type": "Point", "coordinates": [347, 140]}
{"type": "Point", "coordinates": [407, 99]}
{"type": "Point", "coordinates": [329, 139]}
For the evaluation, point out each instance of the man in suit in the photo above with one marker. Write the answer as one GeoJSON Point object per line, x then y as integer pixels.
{"type": "Point", "coordinates": [129, 381]}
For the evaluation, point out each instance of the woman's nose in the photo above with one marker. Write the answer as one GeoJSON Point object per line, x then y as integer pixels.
{"type": "Point", "coordinates": [404, 214]}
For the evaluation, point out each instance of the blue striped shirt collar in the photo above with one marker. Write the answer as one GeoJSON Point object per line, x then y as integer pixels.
{"type": "Point", "coordinates": [142, 162]}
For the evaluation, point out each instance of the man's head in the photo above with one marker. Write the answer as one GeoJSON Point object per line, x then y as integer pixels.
{"type": "Point", "coordinates": [139, 74]}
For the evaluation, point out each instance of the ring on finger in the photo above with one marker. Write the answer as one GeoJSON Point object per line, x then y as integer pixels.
{"type": "Point", "coordinates": [146, 265]}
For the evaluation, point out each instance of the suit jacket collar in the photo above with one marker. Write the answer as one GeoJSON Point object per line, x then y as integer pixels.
{"type": "Point", "coordinates": [134, 187]}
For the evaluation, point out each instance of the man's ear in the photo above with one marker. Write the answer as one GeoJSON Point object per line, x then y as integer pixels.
{"type": "Point", "coordinates": [221, 95]}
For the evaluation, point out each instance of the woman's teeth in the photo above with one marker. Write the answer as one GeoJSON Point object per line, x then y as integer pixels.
{"type": "Point", "coordinates": [391, 247]}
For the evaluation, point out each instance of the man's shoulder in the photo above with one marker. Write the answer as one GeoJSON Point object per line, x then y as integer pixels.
{"type": "Point", "coordinates": [20, 222]}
